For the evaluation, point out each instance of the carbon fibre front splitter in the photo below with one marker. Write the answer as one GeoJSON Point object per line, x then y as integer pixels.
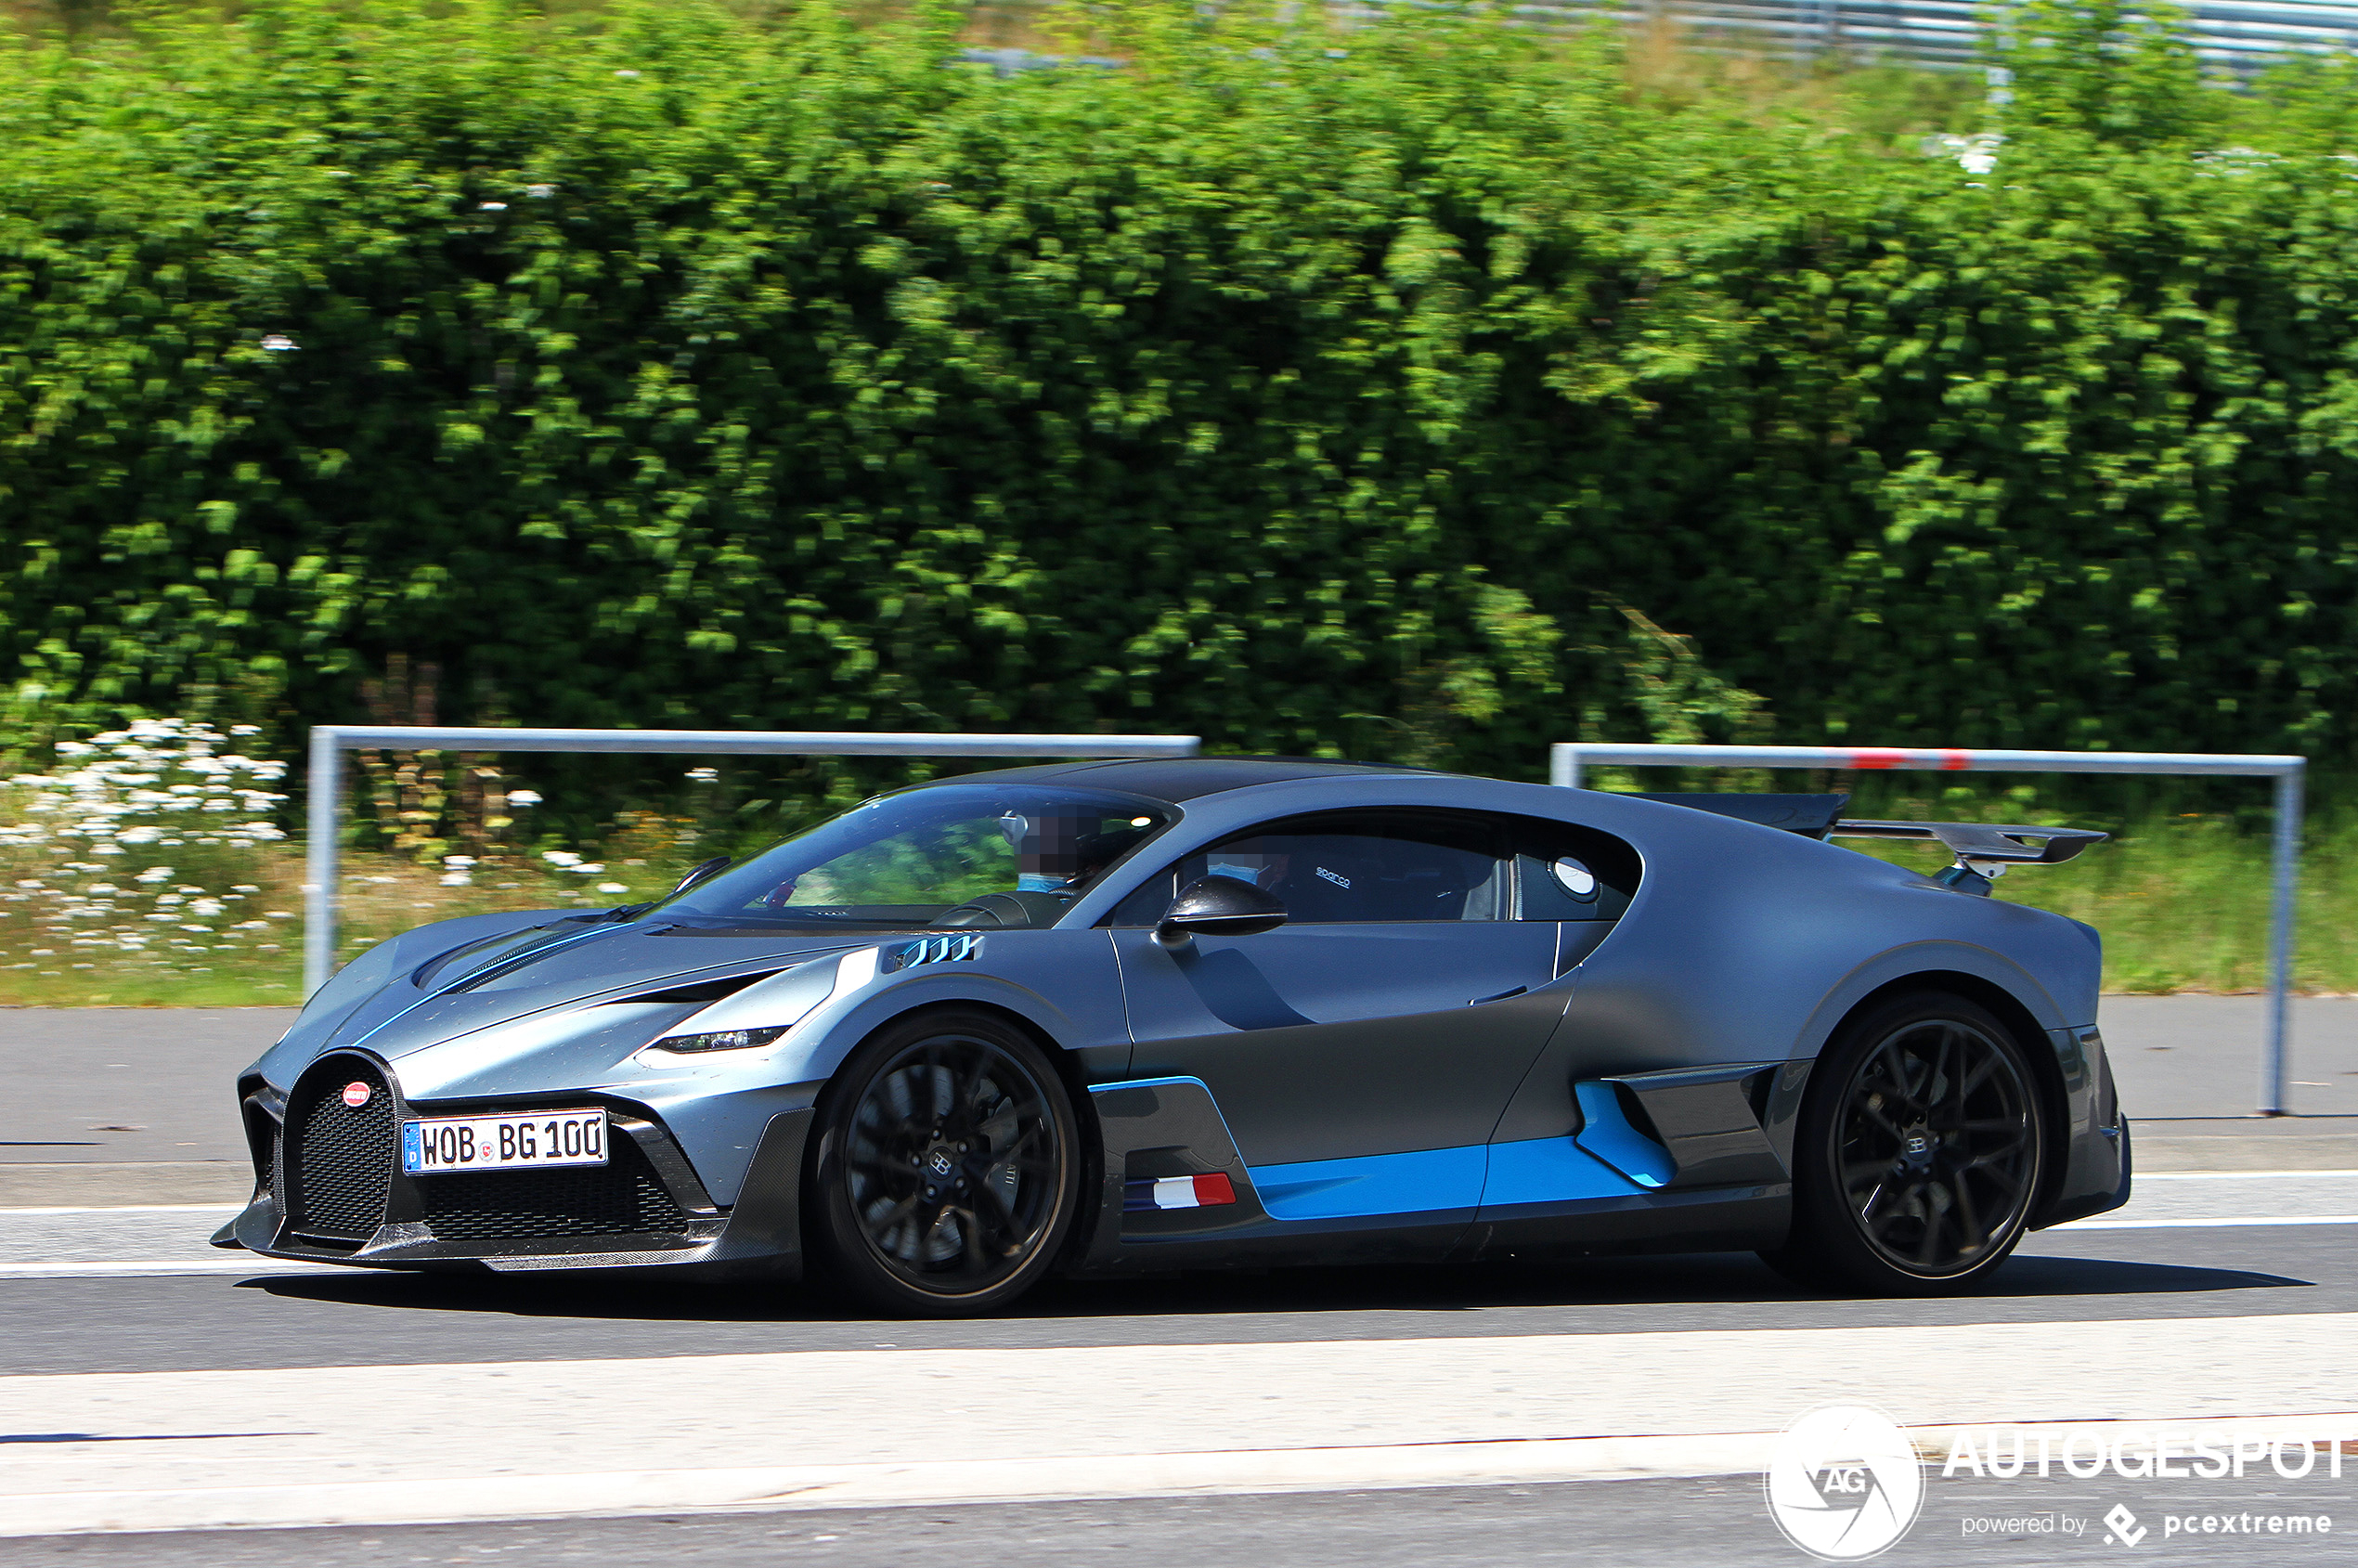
{"type": "Point", "coordinates": [760, 1237]}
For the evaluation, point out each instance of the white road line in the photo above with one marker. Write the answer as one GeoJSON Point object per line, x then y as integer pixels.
{"type": "Point", "coordinates": [235, 1263]}
{"type": "Point", "coordinates": [137, 1209]}
{"type": "Point", "coordinates": [2102, 1224]}
{"type": "Point", "coordinates": [2145, 1177]}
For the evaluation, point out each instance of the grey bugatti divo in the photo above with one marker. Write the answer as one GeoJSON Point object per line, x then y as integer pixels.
{"type": "Point", "coordinates": [1109, 1017]}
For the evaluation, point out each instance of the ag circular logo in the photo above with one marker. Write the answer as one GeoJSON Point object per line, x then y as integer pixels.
{"type": "Point", "coordinates": [1844, 1483]}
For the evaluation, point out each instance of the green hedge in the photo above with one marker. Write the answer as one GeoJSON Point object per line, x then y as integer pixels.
{"type": "Point", "coordinates": [1306, 392]}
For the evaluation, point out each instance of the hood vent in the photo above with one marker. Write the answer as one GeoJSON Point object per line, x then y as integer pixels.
{"type": "Point", "coordinates": [701, 991]}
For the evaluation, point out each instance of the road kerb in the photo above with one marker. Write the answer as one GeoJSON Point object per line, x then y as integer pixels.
{"type": "Point", "coordinates": [803, 1489]}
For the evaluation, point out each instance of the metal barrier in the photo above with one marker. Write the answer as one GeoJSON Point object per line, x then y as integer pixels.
{"type": "Point", "coordinates": [1566, 760]}
{"type": "Point", "coordinates": [2242, 33]}
{"type": "Point", "coordinates": [330, 742]}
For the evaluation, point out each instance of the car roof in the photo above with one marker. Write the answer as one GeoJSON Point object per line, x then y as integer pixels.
{"type": "Point", "coordinates": [1177, 779]}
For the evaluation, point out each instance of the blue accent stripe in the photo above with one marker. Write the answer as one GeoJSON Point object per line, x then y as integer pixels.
{"type": "Point", "coordinates": [1550, 1171]}
{"type": "Point", "coordinates": [1426, 1181]}
{"type": "Point", "coordinates": [1154, 1083]}
{"type": "Point", "coordinates": [1376, 1183]}
{"type": "Point", "coordinates": [1608, 1135]}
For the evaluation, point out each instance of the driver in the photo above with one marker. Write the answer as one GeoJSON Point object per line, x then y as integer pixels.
{"type": "Point", "coordinates": [1048, 850]}
{"type": "Point", "coordinates": [1057, 854]}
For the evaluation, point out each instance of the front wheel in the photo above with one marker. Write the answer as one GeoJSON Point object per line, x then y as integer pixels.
{"type": "Point", "coordinates": [1919, 1154]}
{"type": "Point", "coordinates": [947, 1171]}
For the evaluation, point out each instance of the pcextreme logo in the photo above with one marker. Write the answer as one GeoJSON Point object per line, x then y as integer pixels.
{"type": "Point", "coordinates": [1844, 1483]}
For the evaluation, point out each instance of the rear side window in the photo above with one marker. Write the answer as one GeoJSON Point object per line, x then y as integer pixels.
{"type": "Point", "coordinates": [1566, 871]}
{"type": "Point", "coordinates": [1353, 867]}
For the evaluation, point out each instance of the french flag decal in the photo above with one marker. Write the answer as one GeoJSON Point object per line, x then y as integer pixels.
{"type": "Point", "coordinates": [1178, 1192]}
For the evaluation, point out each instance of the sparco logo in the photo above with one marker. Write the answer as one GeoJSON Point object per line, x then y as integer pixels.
{"type": "Point", "coordinates": [1844, 1483]}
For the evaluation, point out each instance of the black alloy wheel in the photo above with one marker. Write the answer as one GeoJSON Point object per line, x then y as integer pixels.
{"type": "Point", "coordinates": [1920, 1152]}
{"type": "Point", "coordinates": [947, 1171]}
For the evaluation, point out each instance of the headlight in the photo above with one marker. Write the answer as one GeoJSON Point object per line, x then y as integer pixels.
{"type": "Point", "coordinates": [723, 1040]}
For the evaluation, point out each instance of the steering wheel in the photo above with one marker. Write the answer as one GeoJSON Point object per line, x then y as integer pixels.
{"type": "Point", "coordinates": [1003, 909]}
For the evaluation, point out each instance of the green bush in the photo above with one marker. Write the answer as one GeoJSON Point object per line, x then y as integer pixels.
{"type": "Point", "coordinates": [1310, 391]}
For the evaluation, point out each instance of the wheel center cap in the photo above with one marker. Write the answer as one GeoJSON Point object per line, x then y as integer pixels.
{"type": "Point", "coordinates": [1916, 1147]}
{"type": "Point", "coordinates": [939, 1162]}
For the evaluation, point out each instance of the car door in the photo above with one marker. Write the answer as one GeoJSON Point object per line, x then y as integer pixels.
{"type": "Point", "coordinates": [1362, 1052]}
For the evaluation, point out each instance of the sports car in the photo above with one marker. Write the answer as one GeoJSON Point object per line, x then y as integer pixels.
{"type": "Point", "coordinates": [1098, 1018]}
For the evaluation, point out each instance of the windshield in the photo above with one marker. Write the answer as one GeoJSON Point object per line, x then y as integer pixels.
{"type": "Point", "coordinates": [1019, 854]}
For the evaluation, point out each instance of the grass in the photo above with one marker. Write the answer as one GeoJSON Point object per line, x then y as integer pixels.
{"type": "Point", "coordinates": [2182, 901]}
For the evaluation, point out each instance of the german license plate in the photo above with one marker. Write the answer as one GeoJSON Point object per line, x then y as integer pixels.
{"type": "Point", "coordinates": [510, 1141]}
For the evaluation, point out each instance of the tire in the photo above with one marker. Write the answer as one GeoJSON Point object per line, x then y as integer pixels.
{"type": "Point", "coordinates": [946, 1176]}
{"type": "Point", "coordinates": [1919, 1153]}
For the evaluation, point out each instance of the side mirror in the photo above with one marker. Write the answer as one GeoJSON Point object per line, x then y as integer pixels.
{"type": "Point", "coordinates": [1218, 906]}
{"type": "Point", "coordinates": [703, 871]}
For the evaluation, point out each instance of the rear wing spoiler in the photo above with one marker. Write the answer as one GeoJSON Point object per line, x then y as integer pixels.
{"type": "Point", "coordinates": [1983, 850]}
{"type": "Point", "coordinates": [1980, 841]}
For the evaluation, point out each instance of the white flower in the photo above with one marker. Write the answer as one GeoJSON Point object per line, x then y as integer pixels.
{"type": "Point", "coordinates": [277, 342]}
{"type": "Point", "coordinates": [565, 858]}
{"type": "Point", "coordinates": [704, 775]}
{"type": "Point", "coordinates": [491, 207]}
{"type": "Point", "coordinates": [591, 869]}
{"type": "Point", "coordinates": [524, 798]}
{"type": "Point", "coordinates": [458, 879]}
{"type": "Point", "coordinates": [612, 887]}
{"type": "Point", "coordinates": [541, 192]}
{"type": "Point", "coordinates": [628, 75]}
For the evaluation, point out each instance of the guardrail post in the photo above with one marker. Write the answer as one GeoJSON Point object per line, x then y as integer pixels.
{"type": "Point", "coordinates": [2276, 1067]}
{"type": "Point", "coordinates": [322, 811]}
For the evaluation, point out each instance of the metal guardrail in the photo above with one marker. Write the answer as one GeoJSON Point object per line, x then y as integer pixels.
{"type": "Point", "coordinates": [1948, 32]}
{"type": "Point", "coordinates": [324, 824]}
{"type": "Point", "coordinates": [1565, 762]}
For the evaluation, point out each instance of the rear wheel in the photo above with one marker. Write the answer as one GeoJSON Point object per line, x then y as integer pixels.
{"type": "Point", "coordinates": [947, 1170]}
{"type": "Point", "coordinates": [1919, 1154]}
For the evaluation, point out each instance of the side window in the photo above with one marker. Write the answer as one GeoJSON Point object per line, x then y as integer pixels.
{"type": "Point", "coordinates": [1145, 904]}
{"type": "Point", "coordinates": [1355, 866]}
{"type": "Point", "coordinates": [1565, 872]}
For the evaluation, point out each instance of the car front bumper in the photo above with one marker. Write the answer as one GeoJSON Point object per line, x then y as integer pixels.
{"type": "Point", "coordinates": [333, 1192]}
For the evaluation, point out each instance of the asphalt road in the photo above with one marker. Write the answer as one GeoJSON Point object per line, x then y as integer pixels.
{"type": "Point", "coordinates": [1717, 1521]}
{"type": "Point", "coordinates": [2244, 1275]}
{"type": "Point", "coordinates": [349, 1317]}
